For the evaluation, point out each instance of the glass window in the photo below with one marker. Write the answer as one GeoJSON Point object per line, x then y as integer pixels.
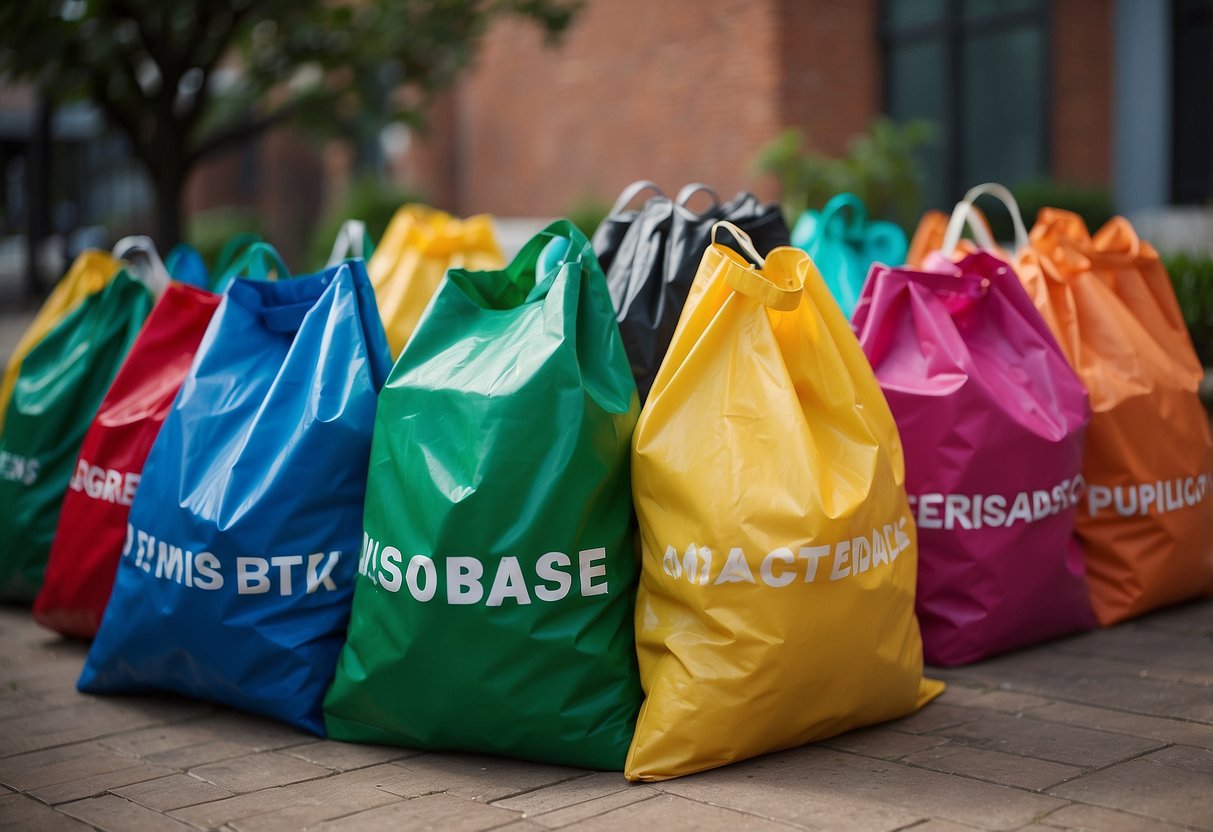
{"type": "Point", "coordinates": [916, 85]}
{"type": "Point", "coordinates": [914, 12]}
{"type": "Point", "coordinates": [1003, 126]}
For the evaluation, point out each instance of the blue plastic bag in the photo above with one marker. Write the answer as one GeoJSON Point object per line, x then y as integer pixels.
{"type": "Point", "coordinates": [844, 247]}
{"type": "Point", "coordinates": [238, 570]}
{"type": "Point", "coordinates": [186, 265]}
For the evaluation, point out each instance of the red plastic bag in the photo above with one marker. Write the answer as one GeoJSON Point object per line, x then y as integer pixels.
{"type": "Point", "coordinates": [92, 524]}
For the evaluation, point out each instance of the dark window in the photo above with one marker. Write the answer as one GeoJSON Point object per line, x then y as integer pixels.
{"type": "Point", "coordinates": [977, 69]}
{"type": "Point", "coordinates": [1192, 102]}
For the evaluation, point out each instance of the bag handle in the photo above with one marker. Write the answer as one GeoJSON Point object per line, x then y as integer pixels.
{"type": "Point", "coordinates": [688, 191]}
{"type": "Point", "coordinates": [141, 253]}
{"type": "Point", "coordinates": [254, 262]}
{"type": "Point", "coordinates": [840, 201]}
{"type": "Point", "coordinates": [962, 213]}
{"type": "Point", "coordinates": [352, 241]}
{"type": "Point", "coordinates": [749, 281]}
{"type": "Point", "coordinates": [631, 192]}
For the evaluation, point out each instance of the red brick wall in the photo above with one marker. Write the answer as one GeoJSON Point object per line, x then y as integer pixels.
{"type": "Point", "coordinates": [1082, 91]}
{"type": "Point", "coordinates": [673, 92]}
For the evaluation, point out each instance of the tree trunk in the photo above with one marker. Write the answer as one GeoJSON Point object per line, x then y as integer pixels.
{"type": "Point", "coordinates": [37, 196]}
{"type": "Point", "coordinates": [170, 189]}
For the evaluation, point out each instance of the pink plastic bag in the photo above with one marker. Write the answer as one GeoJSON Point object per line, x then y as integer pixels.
{"type": "Point", "coordinates": [993, 421]}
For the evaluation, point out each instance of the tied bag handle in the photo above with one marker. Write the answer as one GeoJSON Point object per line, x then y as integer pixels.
{"type": "Point", "coordinates": [352, 241]}
{"type": "Point", "coordinates": [256, 261]}
{"type": "Point", "coordinates": [962, 213]}
{"type": "Point", "coordinates": [631, 192]}
{"type": "Point", "coordinates": [140, 252]}
{"type": "Point", "coordinates": [749, 281]}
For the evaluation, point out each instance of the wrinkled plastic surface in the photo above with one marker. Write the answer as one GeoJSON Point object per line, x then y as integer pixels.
{"type": "Point", "coordinates": [90, 272]}
{"type": "Point", "coordinates": [185, 264]}
{"type": "Point", "coordinates": [237, 572]}
{"type": "Point", "coordinates": [61, 384]}
{"type": "Point", "coordinates": [844, 244]}
{"type": "Point", "coordinates": [993, 422]}
{"type": "Point", "coordinates": [501, 450]}
{"type": "Point", "coordinates": [417, 248]}
{"type": "Point", "coordinates": [1146, 525]}
{"type": "Point", "coordinates": [92, 521]}
{"type": "Point", "coordinates": [653, 254]}
{"type": "Point", "coordinates": [764, 460]}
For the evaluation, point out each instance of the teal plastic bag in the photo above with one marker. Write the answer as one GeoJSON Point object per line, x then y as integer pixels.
{"type": "Point", "coordinates": [493, 607]}
{"type": "Point", "coordinates": [61, 385]}
{"type": "Point", "coordinates": [844, 244]}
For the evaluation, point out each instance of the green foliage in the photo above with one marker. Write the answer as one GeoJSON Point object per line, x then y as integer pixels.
{"type": "Point", "coordinates": [1192, 277]}
{"type": "Point", "coordinates": [1094, 205]}
{"type": "Point", "coordinates": [879, 167]}
{"type": "Point", "coordinates": [209, 230]}
{"type": "Point", "coordinates": [369, 199]}
{"type": "Point", "coordinates": [587, 213]}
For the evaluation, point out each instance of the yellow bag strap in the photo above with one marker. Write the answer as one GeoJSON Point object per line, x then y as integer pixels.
{"type": "Point", "coordinates": [752, 283]}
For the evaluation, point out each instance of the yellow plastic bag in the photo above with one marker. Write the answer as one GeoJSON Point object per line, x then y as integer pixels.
{"type": "Point", "coordinates": [419, 245]}
{"type": "Point", "coordinates": [90, 273]}
{"type": "Point", "coordinates": [776, 602]}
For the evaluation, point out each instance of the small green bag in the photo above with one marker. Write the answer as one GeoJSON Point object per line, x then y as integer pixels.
{"type": "Point", "coordinates": [494, 605]}
{"type": "Point", "coordinates": [61, 385]}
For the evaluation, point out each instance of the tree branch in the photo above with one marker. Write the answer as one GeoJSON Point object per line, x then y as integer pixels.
{"type": "Point", "coordinates": [241, 132]}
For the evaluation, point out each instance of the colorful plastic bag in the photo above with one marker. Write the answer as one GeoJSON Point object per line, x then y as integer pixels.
{"type": "Point", "coordinates": [93, 519]}
{"type": "Point", "coordinates": [844, 244]}
{"type": "Point", "coordinates": [493, 610]}
{"type": "Point", "coordinates": [1146, 525]}
{"type": "Point", "coordinates": [993, 421]}
{"type": "Point", "coordinates": [650, 265]}
{"type": "Point", "coordinates": [91, 272]}
{"type": "Point", "coordinates": [776, 601]}
{"type": "Point", "coordinates": [241, 547]}
{"type": "Point", "coordinates": [60, 386]}
{"type": "Point", "coordinates": [185, 265]}
{"type": "Point", "coordinates": [417, 248]}
{"type": "Point", "coordinates": [932, 229]}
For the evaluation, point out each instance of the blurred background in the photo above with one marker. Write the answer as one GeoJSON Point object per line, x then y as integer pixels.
{"type": "Point", "coordinates": [196, 119]}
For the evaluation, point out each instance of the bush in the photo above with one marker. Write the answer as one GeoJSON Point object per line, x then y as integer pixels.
{"type": "Point", "coordinates": [369, 199]}
{"type": "Point", "coordinates": [208, 230]}
{"type": "Point", "coordinates": [587, 213]}
{"type": "Point", "coordinates": [1192, 277]}
{"type": "Point", "coordinates": [879, 167]}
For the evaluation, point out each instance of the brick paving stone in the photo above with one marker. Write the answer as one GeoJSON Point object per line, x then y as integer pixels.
{"type": "Point", "coordinates": [789, 784]}
{"type": "Point", "coordinates": [219, 812]}
{"type": "Point", "coordinates": [1146, 647]}
{"type": "Point", "coordinates": [60, 765]}
{"type": "Point", "coordinates": [1058, 743]}
{"type": "Point", "coordinates": [257, 732]}
{"type": "Point", "coordinates": [116, 814]}
{"type": "Point", "coordinates": [1174, 785]}
{"type": "Point", "coordinates": [173, 792]}
{"type": "Point", "coordinates": [436, 811]}
{"type": "Point", "coordinates": [670, 813]}
{"type": "Point", "coordinates": [63, 726]}
{"type": "Point", "coordinates": [316, 801]}
{"type": "Point", "coordinates": [580, 812]}
{"type": "Point", "coordinates": [470, 776]}
{"type": "Point", "coordinates": [190, 756]}
{"type": "Point", "coordinates": [994, 766]}
{"type": "Point", "coordinates": [262, 770]}
{"type": "Point", "coordinates": [883, 743]}
{"type": "Point", "coordinates": [1121, 722]}
{"type": "Point", "coordinates": [940, 826]}
{"type": "Point", "coordinates": [345, 756]}
{"type": "Point", "coordinates": [936, 715]}
{"type": "Point", "coordinates": [568, 793]}
{"type": "Point", "coordinates": [1083, 818]}
{"type": "Point", "coordinates": [97, 783]}
{"type": "Point", "coordinates": [1005, 701]}
{"type": "Point", "coordinates": [20, 814]}
{"type": "Point", "coordinates": [1193, 617]}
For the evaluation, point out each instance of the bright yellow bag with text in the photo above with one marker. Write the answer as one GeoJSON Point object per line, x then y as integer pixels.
{"type": "Point", "coordinates": [776, 602]}
{"type": "Point", "coordinates": [419, 245]}
{"type": "Point", "coordinates": [91, 272]}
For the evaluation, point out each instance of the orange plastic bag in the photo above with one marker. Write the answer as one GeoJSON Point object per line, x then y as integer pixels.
{"type": "Point", "coordinates": [932, 228]}
{"type": "Point", "coordinates": [1147, 523]}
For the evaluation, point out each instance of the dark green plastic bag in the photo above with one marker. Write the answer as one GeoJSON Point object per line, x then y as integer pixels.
{"type": "Point", "coordinates": [493, 608]}
{"type": "Point", "coordinates": [61, 385]}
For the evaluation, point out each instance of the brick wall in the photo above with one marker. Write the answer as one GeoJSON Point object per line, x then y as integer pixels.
{"type": "Point", "coordinates": [1082, 91]}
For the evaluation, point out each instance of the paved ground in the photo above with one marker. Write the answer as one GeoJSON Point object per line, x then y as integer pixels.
{"type": "Point", "coordinates": [1111, 730]}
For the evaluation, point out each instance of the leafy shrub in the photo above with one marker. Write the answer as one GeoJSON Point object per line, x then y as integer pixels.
{"type": "Point", "coordinates": [208, 230]}
{"type": "Point", "coordinates": [1192, 277]}
{"type": "Point", "coordinates": [587, 212]}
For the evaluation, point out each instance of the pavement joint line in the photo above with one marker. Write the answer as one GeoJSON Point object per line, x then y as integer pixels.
{"type": "Point", "coordinates": [1083, 702]}
{"type": "Point", "coordinates": [571, 778]}
{"type": "Point", "coordinates": [746, 812]}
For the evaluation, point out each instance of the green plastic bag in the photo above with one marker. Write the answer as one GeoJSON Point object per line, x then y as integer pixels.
{"type": "Point", "coordinates": [493, 608]}
{"type": "Point", "coordinates": [61, 385]}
